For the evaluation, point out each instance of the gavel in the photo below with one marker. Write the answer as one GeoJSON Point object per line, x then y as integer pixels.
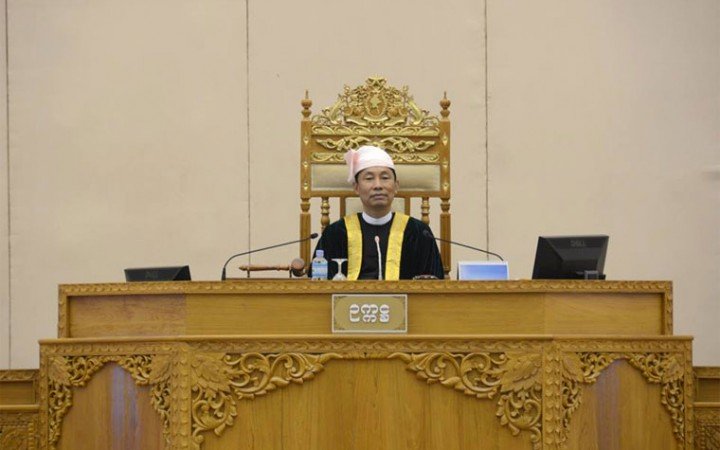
{"type": "Point", "coordinates": [296, 268]}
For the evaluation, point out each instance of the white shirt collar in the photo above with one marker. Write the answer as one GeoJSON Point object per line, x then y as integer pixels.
{"type": "Point", "coordinates": [381, 221]}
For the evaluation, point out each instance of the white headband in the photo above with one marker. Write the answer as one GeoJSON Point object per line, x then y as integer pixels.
{"type": "Point", "coordinates": [364, 157]}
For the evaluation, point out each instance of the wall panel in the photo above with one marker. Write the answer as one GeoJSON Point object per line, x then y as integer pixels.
{"type": "Point", "coordinates": [167, 132]}
{"type": "Point", "coordinates": [604, 118]}
{"type": "Point", "coordinates": [128, 145]}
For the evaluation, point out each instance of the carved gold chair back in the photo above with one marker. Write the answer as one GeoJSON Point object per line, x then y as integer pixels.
{"type": "Point", "coordinates": [375, 113]}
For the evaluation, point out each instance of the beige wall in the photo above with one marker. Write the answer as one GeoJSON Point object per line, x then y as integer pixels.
{"type": "Point", "coordinates": [166, 132]}
{"type": "Point", "coordinates": [128, 132]}
{"type": "Point", "coordinates": [605, 118]}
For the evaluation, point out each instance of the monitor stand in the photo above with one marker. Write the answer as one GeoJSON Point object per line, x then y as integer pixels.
{"type": "Point", "coordinates": [590, 275]}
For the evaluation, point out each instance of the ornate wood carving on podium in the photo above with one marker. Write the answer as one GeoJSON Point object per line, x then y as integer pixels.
{"type": "Point", "coordinates": [515, 378]}
{"type": "Point", "coordinates": [18, 409]}
{"type": "Point", "coordinates": [707, 408]}
{"type": "Point", "coordinates": [535, 382]}
{"type": "Point", "coordinates": [708, 428]}
{"type": "Point", "coordinates": [18, 430]}
{"type": "Point", "coordinates": [224, 365]}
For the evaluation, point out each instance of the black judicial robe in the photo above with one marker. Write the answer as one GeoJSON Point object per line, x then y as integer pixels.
{"type": "Point", "coordinates": [419, 255]}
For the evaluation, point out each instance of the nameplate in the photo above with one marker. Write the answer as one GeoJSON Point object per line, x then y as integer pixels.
{"type": "Point", "coordinates": [369, 313]}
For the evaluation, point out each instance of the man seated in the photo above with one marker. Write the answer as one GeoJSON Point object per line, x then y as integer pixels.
{"type": "Point", "coordinates": [406, 244]}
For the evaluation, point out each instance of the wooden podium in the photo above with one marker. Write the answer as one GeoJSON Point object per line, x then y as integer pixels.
{"type": "Point", "coordinates": [254, 365]}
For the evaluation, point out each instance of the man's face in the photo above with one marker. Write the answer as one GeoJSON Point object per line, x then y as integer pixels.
{"type": "Point", "coordinates": [376, 187]}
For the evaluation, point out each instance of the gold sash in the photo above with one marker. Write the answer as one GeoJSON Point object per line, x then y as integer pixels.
{"type": "Point", "coordinates": [394, 250]}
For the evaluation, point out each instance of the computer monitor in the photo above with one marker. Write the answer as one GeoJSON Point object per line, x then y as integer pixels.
{"type": "Point", "coordinates": [174, 273]}
{"type": "Point", "coordinates": [570, 257]}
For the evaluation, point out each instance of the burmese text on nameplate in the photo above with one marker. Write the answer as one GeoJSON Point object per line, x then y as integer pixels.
{"type": "Point", "coordinates": [369, 313]}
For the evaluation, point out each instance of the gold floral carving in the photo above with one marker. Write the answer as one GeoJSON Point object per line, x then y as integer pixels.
{"type": "Point", "coordinates": [536, 381]}
{"type": "Point", "coordinates": [64, 373]}
{"type": "Point", "coordinates": [254, 286]}
{"type": "Point", "coordinates": [399, 146]}
{"type": "Point", "coordinates": [377, 114]}
{"type": "Point", "coordinates": [369, 348]}
{"type": "Point", "coordinates": [18, 375]}
{"type": "Point", "coordinates": [564, 372]}
{"type": "Point", "coordinates": [514, 378]}
{"type": "Point", "coordinates": [707, 427]}
{"type": "Point", "coordinates": [63, 324]}
{"type": "Point", "coordinates": [553, 403]}
{"type": "Point", "coordinates": [67, 372]}
{"type": "Point", "coordinates": [668, 311]}
{"type": "Point", "coordinates": [155, 371]}
{"type": "Point", "coordinates": [18, 431]}
{"type": "Point", "coordinates": [667, 369]}
{"type": "Point", "coordinates": [218, 378]}
{"type": "Point", "coordinates": [375, 104]}
{"type": "Point", "coordinates": [354, 130]}
{"type": "Point", "coordinates": [213, 407]}
{"type": "Point", "coordinates": [215, 381]}
{"type": "Point", "coordinates": [14, 437]}
{"type": "Point", "coordinates": [340, 145]}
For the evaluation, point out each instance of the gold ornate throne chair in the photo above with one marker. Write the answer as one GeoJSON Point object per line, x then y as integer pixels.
{"type": "Point", "coordinates": [378, 114]}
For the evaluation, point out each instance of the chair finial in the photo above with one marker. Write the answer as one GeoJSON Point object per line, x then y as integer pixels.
{"type": "Point", "coordinates": [445, 104]}
{"type": "Point", "coordinates": [306, 104]}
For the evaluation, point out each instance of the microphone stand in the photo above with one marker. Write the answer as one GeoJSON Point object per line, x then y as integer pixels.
{"type": "Point", "coordinates": [429, 235]}
{"type": "Point", "coordinates": [223, 276]}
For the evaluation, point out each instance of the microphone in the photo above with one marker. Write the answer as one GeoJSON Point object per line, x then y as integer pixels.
{"type": "Point", "coordinates": [428, 234]}
{"type": "Point", "coordinates": [377, 245]}
{"type": "Point", "coordinates": [223, 276]}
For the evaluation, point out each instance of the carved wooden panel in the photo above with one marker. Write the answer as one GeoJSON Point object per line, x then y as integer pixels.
{"type": "Point", "coordinates": [18, 429]}
{"type": "Point", "coordinates": [536, 384]}
{"type": "Point", "coordinates": [707, 408]}
{"type": "Point", "coordinates": [18, 409]}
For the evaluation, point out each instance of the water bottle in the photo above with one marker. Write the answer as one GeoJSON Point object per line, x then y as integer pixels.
{"type": "Point", "coordinates": [319, 266]}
